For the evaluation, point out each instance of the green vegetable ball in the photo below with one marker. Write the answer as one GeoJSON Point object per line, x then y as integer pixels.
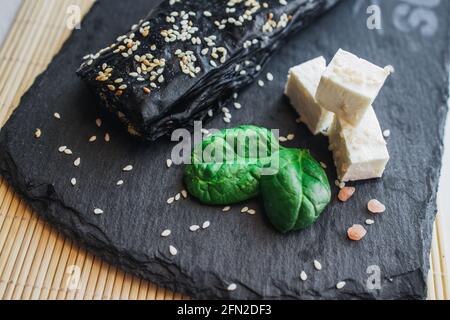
{"type": "Point", "coordinates": [295, 197]}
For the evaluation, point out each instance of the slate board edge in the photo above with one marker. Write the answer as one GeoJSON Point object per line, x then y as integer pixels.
{"type": "Point", "coordinates": [181, 283]}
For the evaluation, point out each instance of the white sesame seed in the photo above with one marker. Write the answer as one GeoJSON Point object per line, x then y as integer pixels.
{"type": "Point", "coordinates": [57, 115]}
{"type": "Point", "coordinates": [178, 197]}
{"type": "Point", "coordinates": [258, 68]}
{"type": "Point", "coordinates": [260, 83]}
{"type": "Point", "coordinates": [206, 225]}
{"type": "Point", "coordinates": [207, 14]}
{"type": "Point", "coordinates": [369, 222]}
{"type": "Point", "coordinates": [323, 165]}
{"type": "Point", "coordinates": [282, 139]}
{"type": "Point", "coordinates": [245, 209]}
{"type": "Point", "coordinates": [317, 265]}
{"type": "Point", "coordinates": [128, 168]}
{"type": "Point", "coordinates": [73, 181]}
{"type": "Point", "coordinates": [194, 228]}
{"type": "Point", "coordinates": [98, 211]}
{"type": "Point", "coordinates": [107, 137]}
{"type": "Point", "coordinates": [251, 211]}
{"type": "Point", "coordinates": [237, 105]}
{"type": "Point", "coordinates": [62, 149]}
{"type": "Point", "coordinates": [120, 182]}
{"type": "Point", "coordinates": [98, 122]}
{"type": "Point", "coordinates": [38, 133]}
{"type": "Point", "coordinates": [387, 133]}
{"type": "Point", "coordinates": [171, 200]}
{"type": "Point", "coordinates": [77, 162]}
{"type": "Point", "coordinates": [227, 120]}
{"type": "Point", "coordinates": [303, 276]}
{"type": "Point", "coordinates": [166, 233]}
{"type": "Point", "coordinates": [226, 209]}
{"type": "Point", "coordinates": [93, 139]}
{"type": "Point", "coordinates": [169, 163]}
{"type": "Point", "coordinates": [68, 152]}
{"type": "Point", "coordinates": [232, 287]}
{"type": "Point", "coordinates": [184, 194]}
{"type": "Point", "coordinates": [291, 136]}
{"type": "Point", "coordinates": [173, 251]}
{"type": "Point", "coordinates": [340, 285]}
{"type": "Point", "coordinates": [269, 76]}
{"type": "Point", "coordinates": [235, 95]}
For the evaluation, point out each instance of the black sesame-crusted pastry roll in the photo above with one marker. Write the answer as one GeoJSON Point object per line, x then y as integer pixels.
{"type": "Point", "coordinates": [177, 65]}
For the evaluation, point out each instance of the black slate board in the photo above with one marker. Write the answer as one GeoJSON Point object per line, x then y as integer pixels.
{"type": "Point", "coordinates": [240, 248]}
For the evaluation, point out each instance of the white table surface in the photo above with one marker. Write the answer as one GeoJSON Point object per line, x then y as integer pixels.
{"type": "Point", "coordinates": [8, 9]}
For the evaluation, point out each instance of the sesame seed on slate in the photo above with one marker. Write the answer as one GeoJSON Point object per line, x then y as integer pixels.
{"type": "Point", "coordinates": [237, 105]}
{"type": "Point", "coordinates": [98, 122]}
{"type": "Point", "coordinates": [170, 200]}
{"type": "Point", "coordinates": [166, 233]}
{"type": "Point", "coordinates": [173, 251]}
{"type": "Point", "coordinates": [68, 151]}
{"type": "Point", "coordinates": [194, 228]}
{"type": "Point", "coordinates": [120, 182]}
{"type": "Point", "coordinates": [93, 139]}
{"type": "Point", "coordinates": [226, 209]}
{"type": "Point", "coordinates": [291, 136]}
{"type": "Point", "coordinates": [169, 163]}
{"type": "Point", "coordinates": [387, 133]}
{"type": "Point", "coordinates": [128, 168]}
{"type": "Point", "coordinates": [245, 209]}
{"type": "Point", "coordinates": [340, 285]}
{"type": "Point", "coordinates": [107, 137]}
{"type": "Point", "coordinates": [206, 225]}
{"type": "Point", "coordinates": [317, 265]}
{"type": "Point", "coordinates": [269, 76]}
{"type": "Point", "coordinates": [232, 287]}
{"type": "Point", "coordinates": [73, 181]}
{"type": "Point", "coordinates": [38, 133]}
{"type": "Point", "coordinates": [184, 194]}
{"type": "Point", "coordinates": [260, 83]}
{"type": "Point", "coordinates": [303, 276]}
{"type": "Point", "coordinates": [77, 162]}
{"type": "Point", "coordinates": [62, 148]}
{"type": "Point", "coordinates": [57, 115]}
{"type": "Point", "coordinates": [370, 222]}
{"type": "Point", "coordinates": [98, 211]}
{"type": "Point", "coordinates": [251, 211]}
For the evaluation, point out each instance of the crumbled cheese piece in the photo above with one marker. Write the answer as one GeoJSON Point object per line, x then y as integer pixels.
{"type": "Point", "coordinates": [349, 86]}
{"type": "Point", "coordinates": [360, 152]}
{"type": "Point", "coordinates": [301, 88]}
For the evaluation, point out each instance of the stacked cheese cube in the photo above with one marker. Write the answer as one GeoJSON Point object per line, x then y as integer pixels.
{"type": "Point", "coordinates": [337, 101]}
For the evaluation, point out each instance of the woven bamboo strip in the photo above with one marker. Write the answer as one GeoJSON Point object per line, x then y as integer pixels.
{"type": "Point", "coordinates": [27, 230]}
{"type": "Point", "coordinates": [443, 257]}
{"type": "Point", "coordinates": [22, 57]}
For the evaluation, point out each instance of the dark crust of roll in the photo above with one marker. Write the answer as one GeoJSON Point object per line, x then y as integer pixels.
{"type": "Point", "coordinates": [140, 77]}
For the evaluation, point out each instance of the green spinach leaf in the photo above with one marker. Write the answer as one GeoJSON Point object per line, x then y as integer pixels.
{"type": "Point", "coordinates": [226, 167]}
{"type": "Point", "coordinates": [295, 197]}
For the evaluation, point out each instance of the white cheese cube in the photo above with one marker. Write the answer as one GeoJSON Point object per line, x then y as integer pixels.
{"type": "Point", "coordinates": [349, 86]}
{"type": "Point", "coordinates": [359, 152]}
{"type": "Point", "coordinates": [301, 88]}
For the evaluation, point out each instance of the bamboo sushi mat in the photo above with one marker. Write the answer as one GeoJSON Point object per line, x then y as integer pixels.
{"type": "Point", "coordinates": [36, 261]}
